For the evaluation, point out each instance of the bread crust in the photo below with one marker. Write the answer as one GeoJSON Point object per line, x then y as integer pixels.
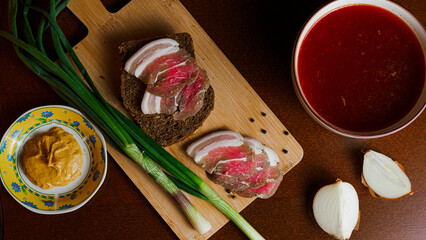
{"type": "Point", "coordinates": [163, 128]}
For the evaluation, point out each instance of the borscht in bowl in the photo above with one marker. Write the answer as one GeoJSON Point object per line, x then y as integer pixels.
{"type": "Point", "coordinates": [359, 67]}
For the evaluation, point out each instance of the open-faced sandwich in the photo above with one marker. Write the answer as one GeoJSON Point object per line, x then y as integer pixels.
{"type": "Point", "coordinates": [163, 88]}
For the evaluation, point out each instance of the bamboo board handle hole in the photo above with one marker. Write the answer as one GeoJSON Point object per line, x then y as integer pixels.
{"type": "Point", "coordinates": [114, 6]}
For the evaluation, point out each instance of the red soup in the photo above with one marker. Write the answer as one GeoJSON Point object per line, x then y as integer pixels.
{"type": "Point", "coordinates": [361, 68]}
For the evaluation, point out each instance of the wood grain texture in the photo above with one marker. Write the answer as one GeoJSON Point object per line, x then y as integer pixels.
{"type": "Point", "coordinates": [235, 100]}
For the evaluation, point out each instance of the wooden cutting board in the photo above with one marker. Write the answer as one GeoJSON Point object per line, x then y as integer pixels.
{"type": "Point", "coordinates": [237, 106]}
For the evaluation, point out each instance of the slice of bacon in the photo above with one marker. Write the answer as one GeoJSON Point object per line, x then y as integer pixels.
{"type": "Point", "coordinates": [153, 70]}
{"type": "Point", "coordinates": [235, 164]}
{"type": "Point", "coordinates": [137, 63]}
{"type": "Point", "coordinates": [190, 99]}
{"type": "Point", "coordinates": [152, 104]}
{"type": "Point", "coordinates": [274, 178]}
{"type": "Point", "coordinates": [224, 155]}
{"type": "Point", "coordinates": [204, 145]}
{"type": "Point", "coordinates": [171, 81]}
{"type": "Point", "coordinates": [260, 174]}
{"type": "Point", "coordinates": [175, 83]}
{"type": "Point", "coordinates": [242, 165]}
{"type": "Point", "coordinates": [187, 102]}
{"type": "Point", "coordinates": [266, 191]}
{"type": "Point", "coordinates": [183, 100]}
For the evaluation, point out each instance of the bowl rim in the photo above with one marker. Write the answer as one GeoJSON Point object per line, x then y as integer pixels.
{"type": "Point", "coordinates": [310, 22]}
{"type": "Point", "coordinates": [101, 180]}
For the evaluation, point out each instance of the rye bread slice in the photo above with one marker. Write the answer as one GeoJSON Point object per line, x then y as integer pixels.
{"type": "Point", "coordinates": [161, 127]}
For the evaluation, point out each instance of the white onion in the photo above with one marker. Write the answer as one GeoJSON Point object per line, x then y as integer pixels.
{"type": "Point", "coordinates": [336, 209]}
{"type": "Point", "coordinates": [384, 176]}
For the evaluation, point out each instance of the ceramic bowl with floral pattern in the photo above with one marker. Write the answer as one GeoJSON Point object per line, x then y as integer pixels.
{"type": "Point", "coordinates": [58, 199]}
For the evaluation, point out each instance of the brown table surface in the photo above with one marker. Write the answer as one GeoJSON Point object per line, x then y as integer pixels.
{"type": "Point", "coordinates": [258, 37]}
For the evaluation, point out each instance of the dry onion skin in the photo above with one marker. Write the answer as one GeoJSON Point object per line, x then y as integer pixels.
{"type": "Point", "coordinates": [336, 209]}
{"type": "Point", "coordinates": [384, 177]}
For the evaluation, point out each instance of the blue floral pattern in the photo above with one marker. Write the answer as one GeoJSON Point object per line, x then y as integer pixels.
{"type": "Point", "coordinates": [23, 118]}
{"type": "Point", "coordinates": [103, 153]}
{"type": "Point", "coordinates": [16, 133]}
{"type": "Point", "coordinates": [88, 124]}
{"type": "Point", "coordinates": [66, 206]}
{"type": "Point", "coordinates": [75, 124]}
{"type": "Point", "coordinates": [96, 175]}
{"type": "Point", "coordinates": [92, 139]}
{"type": "Point", "coordinates": [16, 187]}
{"type": "Point", "coordinates": [74, 195]}
{"type": "Point", "coordinates": [46, 114]}
{"type": "Point", "coordinates": [3, 146]}
{"type": "Point", "coordinates": [48, 203]}
{"type": "Point", "coordinates": [30, 204]}
{"type": "Point", "coordinates": [10, 157]}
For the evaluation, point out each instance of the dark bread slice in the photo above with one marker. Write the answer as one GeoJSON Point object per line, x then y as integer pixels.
{"type": "Point", "coordinates": [161, 127]}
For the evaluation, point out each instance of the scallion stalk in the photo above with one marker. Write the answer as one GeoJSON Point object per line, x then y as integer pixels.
{"type": "Point", "coordinates": [124, 134]}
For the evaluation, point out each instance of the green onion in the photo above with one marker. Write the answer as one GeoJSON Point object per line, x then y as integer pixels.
{"type": "Point", "coordinates": [121, 132]}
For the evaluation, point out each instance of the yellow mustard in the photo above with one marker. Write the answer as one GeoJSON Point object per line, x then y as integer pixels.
{"type": "Point", "coordinates": [53, 158]}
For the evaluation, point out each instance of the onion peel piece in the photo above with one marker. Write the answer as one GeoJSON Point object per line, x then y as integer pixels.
{"type": "Point", "coordinates": [372, 193]}
{"type": "Point", "coordinates": [356, 228]}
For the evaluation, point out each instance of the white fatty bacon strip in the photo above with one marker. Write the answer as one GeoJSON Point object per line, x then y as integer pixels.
{"type": "Point", "coordinates": [255, 145]}
{"type": "Point", "coordinates": [258, 147]}
{"type": "Point", "coordinates": [272, 156]}
{"type": "Point", "coordinates": [226, 142]}
{"type": "Point", "coordinates": [144, 56]}
{"type": "Point", "coordinates": [151, 103]}
{"type": "Point", "coordinates": [203, 146]}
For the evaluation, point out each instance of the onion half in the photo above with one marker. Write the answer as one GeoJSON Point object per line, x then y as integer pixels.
{"type": "Point", "coordinates": [336, 209]}
{"type": "Point", "coordinates": [384, 177]}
